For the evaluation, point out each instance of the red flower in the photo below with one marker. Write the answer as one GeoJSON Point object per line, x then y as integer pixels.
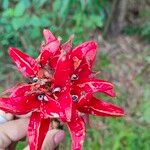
{"type": "Point", "coordinates": [34, 97]}
{"type": "Point", "coordinates": [62, 86]}
{"type": "Point", "coordinates": [84, 84]}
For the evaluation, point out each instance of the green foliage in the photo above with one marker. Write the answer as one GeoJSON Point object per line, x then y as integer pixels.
{"type": "Point", "coordinates": [142, 28]}
{"type": "Point", "coordinates": [21, 145]}
{"type": "Point", "coordinates": [22, 21]}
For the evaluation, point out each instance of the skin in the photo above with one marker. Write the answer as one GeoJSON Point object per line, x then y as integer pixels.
{"type": "Point", "coordinates": [15, 130]}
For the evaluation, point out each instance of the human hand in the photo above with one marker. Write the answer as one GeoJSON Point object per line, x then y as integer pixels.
{"type": "Point", "coordinates": [15, 130]}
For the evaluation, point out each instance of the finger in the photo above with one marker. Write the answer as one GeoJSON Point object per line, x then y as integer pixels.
{"type": "Point", "coordinates": [4, 117]}
{"type": "Point", "coordinates": [12, 131]}
{"type": "Point", "coordinates": [53, 138]}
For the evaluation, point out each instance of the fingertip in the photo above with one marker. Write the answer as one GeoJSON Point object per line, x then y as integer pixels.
{"type": "Point", "coordinates": [53, 138]}
{"type": "Point", "coordinates": [59, 137]}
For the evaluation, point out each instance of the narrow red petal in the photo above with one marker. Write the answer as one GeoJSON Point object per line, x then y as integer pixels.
{"type": "Point", "coordinates": [37, 130]}
{"type": "Point", "coordinates": [68, 45]}
{"type": "Point", "coordinates": [63, 69]}
{"type": "Point", "coordinates": [66, 104]}
{"type": "Point", "coordinates": [82, 72]}
{"type": "Point", "coordinates": [77, 131]}
{"type": "Point", "coordinates": [85, 118]}
{"type": "Point", "coordinates": [90, 85]}
{"type": "Point", "coordinates": [110, 92]}
{"type": "Point", "coordinates": [48, 35]}
{"type": "Point", "coordinates": [53, 61]}
{"type": "Point", "coordinates": [48, 51]}
{"type": "Point", "coordinates": [9, 91]}
{"type": "Point", "coordinates": [52, 108]}
{"type": "Point", "coordinates": [101, 108]}
{"type": "Point", "coordinates": [26, 64]}
{"type": "Point", "coordinates": [85, 51]}
{"type": "Point", "coordinates": [83, 102]}
{"type": "Point", "coordinates": [19, 105]}
{"type": "Point", "coordinates": [21, 90]}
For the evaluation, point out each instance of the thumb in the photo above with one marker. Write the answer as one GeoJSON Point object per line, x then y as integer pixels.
{"type": "Point", "coordinates": [52, 140]}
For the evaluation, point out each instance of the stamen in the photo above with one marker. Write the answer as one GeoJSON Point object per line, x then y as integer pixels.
{"type": "Point", "coordinates": [75, 98]}
{"type": "Point", "coordinates": [45, 98]}
{"type": "Point", "coordinates": [41, 97]}
{"type": "Point", "coordinates": [74, 77]}
{"type": "Point", "coordinates": [35, 79]}
{"type": "Point", "coordinates": [57, 89]}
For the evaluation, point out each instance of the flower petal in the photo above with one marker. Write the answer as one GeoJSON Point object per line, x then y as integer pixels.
{"type": "Point", "coordinates": [87, 51]}
{"type": "Point", "coordinates": [21, 90]}
{"type": "Point", "coordinates": [60, 108]}
{"type": "Point", "coordinates": [37, 130]}
{"type": "Point", "coordinates": [49, 48]}
{"type": "Point", "coordinates": [77, 131]}
{"type": "Point", "coordinates": [48, 35]}
{"type": "Point", "coordinates": [85, 118]}
{"type": "Point", "coordinates": [53, 61]}
{"type": "Point", "coordinates": [94, 85]}
{"type": "Point", "coordinates": [66, 104]}
{"type": "Point", "coordinates": [63, 69]}
{"type": "Point", "coordinates": [101, 108]}
{"type": "Point", "coordinates": [82, 71]}
{"type": "Point", "coordinates": [26, 64]}
{"type": "Point", "coordinates": [52, 108]}
{"type": "Point", "coordinates": [48, 51]}
{"type": "Point", "coordinates": [68, 45]}
{"type": "Point", "coordinates": [110, 92]}
{"type": "Point", "coordinates": [19, 105]}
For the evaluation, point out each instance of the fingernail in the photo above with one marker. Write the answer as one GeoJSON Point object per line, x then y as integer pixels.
{"type": "Point", "coordinates": [59, 136]}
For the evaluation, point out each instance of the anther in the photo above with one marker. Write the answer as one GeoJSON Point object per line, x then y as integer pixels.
{"type": "Point", "coordinates": [35, 79]}
{"type": "Point", "coordinates": [75, 98]}
{"type": "Point", "coordinates": [41, 97]}
{"type": "Point", "coordinates": [74, 77]}
{"type": "Point", "coordinates": [56, 89]}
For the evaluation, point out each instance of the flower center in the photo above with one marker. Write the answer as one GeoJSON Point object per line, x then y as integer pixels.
{"type": "Point", "coordinates": [74, 77]}
{"type": "Point", "coordinates": [75, 98]}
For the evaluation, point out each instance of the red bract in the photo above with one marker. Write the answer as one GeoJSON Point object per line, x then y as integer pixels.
{"type": "Point", "coordinates": [49, 47]}
{"type": "Point", "coordinates": [26, 64]}
{"type": "Point", "coordinates": [62, 86]}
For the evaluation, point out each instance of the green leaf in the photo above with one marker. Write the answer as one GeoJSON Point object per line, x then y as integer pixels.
{"type": "Point", "coordinates": [45, 21]}
{"type": "Point", "coordinates": [20, 145]}
{"type": "Point", "coordinates": [83, 4]}
{"type": "Point", "coordinates": [40, 3]}
{"type": "Point", "coordinates": [146, 29]}
{"type": "Point", "coordinates": [147, 58]}
{"type": "Point", "coordinates": [8, 13]}
{"type": "Point", "coordinates": [56, 6]}
{"type": "Point", "coordinates": [35, 33]}
{"type": "Point", "coordinates": [5, 4]}
{"type": "Point", "coordinates": [20, 9]}
{"type": "Point", "coordinates": [64, 9]}
{"type": "Point", "coordinates": [35, 21]}
{"type": "Point", "coordinates": [19, 22]}
{"type": "Point", "coordinates": [97, 20]}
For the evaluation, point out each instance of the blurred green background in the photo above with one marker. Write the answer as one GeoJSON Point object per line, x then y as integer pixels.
{"type": "Point", "coordinates": [122, 31]}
